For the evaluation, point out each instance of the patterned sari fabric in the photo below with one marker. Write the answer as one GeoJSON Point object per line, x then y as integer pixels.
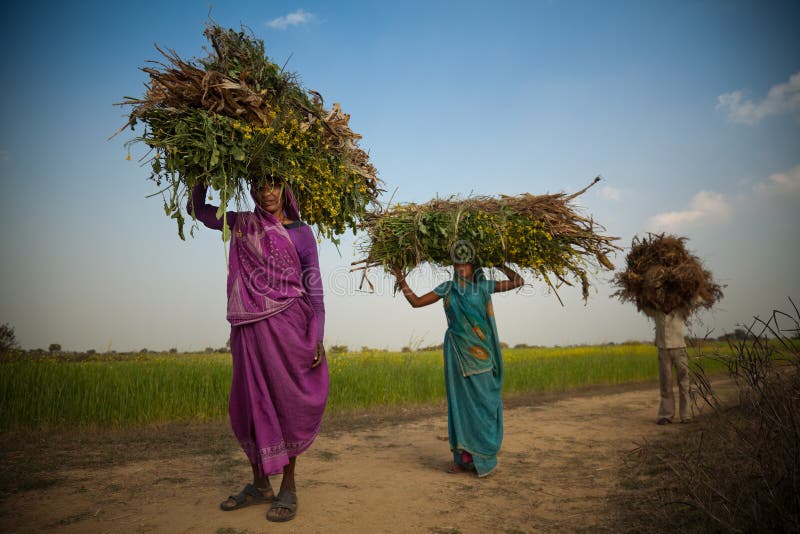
{"type": "Point", "coordinates": [264, 275]}
{"type": "Point", "coordinates": [277, 400]}
{"type": "Point", "coordinates": [473, 371]}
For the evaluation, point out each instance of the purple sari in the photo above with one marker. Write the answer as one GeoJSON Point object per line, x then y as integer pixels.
{"type": "Point", "coordinates": [277, 317]}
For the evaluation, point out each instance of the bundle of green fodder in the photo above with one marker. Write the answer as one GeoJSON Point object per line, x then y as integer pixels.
{"type": "Point", "coordinates": [235, 117]}
{"type": "Point", "coordinates": [661, 274]}
{"type": "Point", "coordinates": [543, 235]}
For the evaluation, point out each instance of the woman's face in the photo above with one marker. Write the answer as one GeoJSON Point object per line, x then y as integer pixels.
{"type": "Point", "coordinates": [465, 270]}
{"type": "Point", "coordinates": [270, 197]}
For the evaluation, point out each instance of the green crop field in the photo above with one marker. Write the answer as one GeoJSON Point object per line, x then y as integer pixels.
{"type": "Point", "coordinates": [150, 388]}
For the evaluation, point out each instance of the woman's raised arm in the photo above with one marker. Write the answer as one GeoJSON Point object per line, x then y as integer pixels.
{"type": "Point", "coordinates": [411, 297]}
{"type": "Point", "coordinates": [514, 280]}
{"type": "Point", "coordinates": [206, 213]}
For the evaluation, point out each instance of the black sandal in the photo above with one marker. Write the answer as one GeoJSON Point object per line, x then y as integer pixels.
{"type": "Point", "coordinates": [249, 495]}
{"type": "Point", "coordinates": [286, 500]}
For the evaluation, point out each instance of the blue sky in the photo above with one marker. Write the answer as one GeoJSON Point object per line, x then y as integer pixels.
{"type": "Point", "coordinates": [689, 110]}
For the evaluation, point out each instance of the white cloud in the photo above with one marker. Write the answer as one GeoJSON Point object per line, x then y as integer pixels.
{"type": "Point", "coordinates": [782, 99]}
{"type": "Point", "coordinates": [292, 19]}
{"type": "Point", "coordinates": [783, 183]}
{"type": "Point", "coordinates": [705, 207]}
{"type": "Point", "coordinates": [609, 193]}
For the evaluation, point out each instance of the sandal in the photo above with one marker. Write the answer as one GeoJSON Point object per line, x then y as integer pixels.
{"type": "Point", "coordinates": [286, 500]}
{"type": "Point", "coordinates": [249, 495]}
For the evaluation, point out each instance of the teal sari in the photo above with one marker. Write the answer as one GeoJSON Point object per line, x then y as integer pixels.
{"type": "Point", "coordinates": [473, 371]}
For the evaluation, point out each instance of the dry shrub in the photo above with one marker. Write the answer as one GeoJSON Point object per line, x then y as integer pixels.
{"type": "Point", "coordinates": [661, 274]}
{"type": "Point", "coordinates": [738, 470]}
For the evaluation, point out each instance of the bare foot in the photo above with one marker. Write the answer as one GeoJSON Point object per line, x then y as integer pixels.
{"type": "Point", "coordinates": [455, 468]}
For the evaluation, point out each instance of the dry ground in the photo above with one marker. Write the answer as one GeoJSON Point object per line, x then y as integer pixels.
{"type": "Point", "coordinates": [561, 468]}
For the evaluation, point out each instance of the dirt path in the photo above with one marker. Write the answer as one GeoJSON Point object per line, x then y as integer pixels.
{"type": "Point", "coordinates": [559, 464]}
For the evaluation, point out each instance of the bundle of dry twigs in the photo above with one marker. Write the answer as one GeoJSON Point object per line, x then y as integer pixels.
{"type": "Point", "coordinates": [235, 117]}
{"type": "Point", "coordinates": [661, 274]}
{"type": "Point", "coordinates": [544, 235]}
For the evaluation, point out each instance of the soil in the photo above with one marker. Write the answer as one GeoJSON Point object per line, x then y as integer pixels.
{"type": "Point", "coordinates": [560, 469]}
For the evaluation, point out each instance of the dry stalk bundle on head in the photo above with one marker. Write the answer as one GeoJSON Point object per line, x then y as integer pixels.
{"type": "Point", "coordinates": [661, 274]}
{"type": "Point", "coordinates": [543, 235]}
{"type": "Point", "coordinates": [234, 118]}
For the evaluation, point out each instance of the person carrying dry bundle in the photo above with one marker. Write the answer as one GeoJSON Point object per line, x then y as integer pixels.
{"type": "Point", "coordinates": [473, 363]}
{"type": "Point", "coordinates": [545, 236]}
{"type": "Point", "coordinates": [275, 307]}
{"type": "Point", "coordinates": [671, 346]}
{"type": "Point", "coordinates": [668, 284]}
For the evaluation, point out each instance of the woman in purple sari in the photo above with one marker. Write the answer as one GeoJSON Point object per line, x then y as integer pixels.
{"type": "Point", "coordinates": [275, 307]}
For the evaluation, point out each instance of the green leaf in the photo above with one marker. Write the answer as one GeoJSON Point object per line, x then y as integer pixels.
{"type": "Point", "coordinates": [178, 216]}
{"type": "Point", "coordinates": [220, 210]}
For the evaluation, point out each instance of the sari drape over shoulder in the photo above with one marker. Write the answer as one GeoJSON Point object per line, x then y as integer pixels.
{"type": "Point", "coordinates": [473, 371]}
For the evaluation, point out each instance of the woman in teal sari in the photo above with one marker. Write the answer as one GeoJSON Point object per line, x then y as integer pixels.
{"type": "Point", "coordinates": [473, 364]}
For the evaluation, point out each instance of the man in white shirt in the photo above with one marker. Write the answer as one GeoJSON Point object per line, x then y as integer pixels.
{"type": "Point", "coordinates": [671, 351]}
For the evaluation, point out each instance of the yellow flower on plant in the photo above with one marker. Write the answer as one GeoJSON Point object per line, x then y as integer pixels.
{"type": "Point", "coordinates": [128, 157]}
